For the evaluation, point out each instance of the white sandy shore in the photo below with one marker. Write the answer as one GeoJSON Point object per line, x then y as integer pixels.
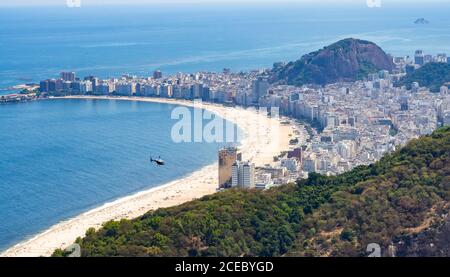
{"type": "Point", "coordinates": [260, 149]}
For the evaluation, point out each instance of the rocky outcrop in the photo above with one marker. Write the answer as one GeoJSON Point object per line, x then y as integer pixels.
{"type": "Point", "coordinates": [347, 60]}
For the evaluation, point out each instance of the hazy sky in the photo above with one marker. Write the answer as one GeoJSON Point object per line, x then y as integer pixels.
{"type": "Point", "coordinates": [125, 2]}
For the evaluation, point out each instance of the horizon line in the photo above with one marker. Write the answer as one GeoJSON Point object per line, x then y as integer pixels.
{"type": "Point", "coordinates": [346, 3]}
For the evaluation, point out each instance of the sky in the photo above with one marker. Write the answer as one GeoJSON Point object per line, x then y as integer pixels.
{"type": "Point", "coordinates": [128, 2]}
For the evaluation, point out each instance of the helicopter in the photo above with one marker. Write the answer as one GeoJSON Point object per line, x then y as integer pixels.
{"type": "Point", "coordinates": [157, 161]}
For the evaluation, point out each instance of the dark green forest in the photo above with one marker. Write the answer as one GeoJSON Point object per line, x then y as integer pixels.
{"type": "Point", "coordinates": [403, 194]}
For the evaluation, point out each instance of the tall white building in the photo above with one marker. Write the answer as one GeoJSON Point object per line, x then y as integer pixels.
{"type": "Point", "coordinates": [85, 87]}
{"type": "Point", "coordinates": [150, 90]}
{"type": "Point", "coordinates": [125, 89]}
{"type": "Point", "coordinates": [347, 149]}
{"type": "Point", "coordinates": [243, 175]}
{"type": "Point", "coordinates": [260, 87]}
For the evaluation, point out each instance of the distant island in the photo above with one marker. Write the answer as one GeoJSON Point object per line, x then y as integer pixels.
{"type": "Point", "coordinates": [421, 21]}
{"type": "Point", "coordinates": [347, 60]}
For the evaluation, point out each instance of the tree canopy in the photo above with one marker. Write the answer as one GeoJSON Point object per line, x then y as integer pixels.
{"type": "Point", "coordinates": [404, 193]}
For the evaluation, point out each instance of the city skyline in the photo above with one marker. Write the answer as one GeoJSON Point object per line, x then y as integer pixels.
{"type": "Point", "coordinates": [224, 128]}
{"type": "Point", "coordinates": [341, 126]}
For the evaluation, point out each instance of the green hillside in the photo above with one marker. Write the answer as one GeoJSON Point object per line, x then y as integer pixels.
{"type": "Point", "coordinates": [431, 75]}
{"type": "Point", "coordinates": [408, 195]}
{"type": "Point", "coordinates": [403, 194]}
{"type": "Point", "coordinates": [347, 60]}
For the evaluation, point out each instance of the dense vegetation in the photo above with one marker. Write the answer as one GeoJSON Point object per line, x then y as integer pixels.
{"type": "Point", "coordinates": [408, 192]}
{"type": "Point", "coordinates": [230, 223]}
{"type": "Point", "coordinates": [403, 194]}
{"type": "Point", "coordinates": [431, 75]}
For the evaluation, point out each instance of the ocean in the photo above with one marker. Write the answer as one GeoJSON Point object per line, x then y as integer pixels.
{"type": "Point", "coordinates": [106, 41]}
{"type": "Point", "coordinates": [59, 158]}
{"type": "Point", "coordinates": [62, 157]}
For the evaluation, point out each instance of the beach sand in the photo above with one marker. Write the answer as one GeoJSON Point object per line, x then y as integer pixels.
{"type": "Point", "coordinates": [259, 146]}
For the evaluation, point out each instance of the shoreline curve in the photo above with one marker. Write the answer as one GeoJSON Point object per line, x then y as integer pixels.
{"type": "Point", "coordinates": [256, 148]}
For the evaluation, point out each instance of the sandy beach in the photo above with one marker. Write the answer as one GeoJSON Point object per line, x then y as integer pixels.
{"type": "Point", "coordinates": [259, 146]}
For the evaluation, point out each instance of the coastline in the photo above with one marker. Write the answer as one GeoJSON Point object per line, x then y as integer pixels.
{"type": "Point", "coordinates": [259, 149]}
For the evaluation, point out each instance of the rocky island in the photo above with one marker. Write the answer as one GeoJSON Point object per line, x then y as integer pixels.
{"type": "Point", "coordinates": [421, 21]}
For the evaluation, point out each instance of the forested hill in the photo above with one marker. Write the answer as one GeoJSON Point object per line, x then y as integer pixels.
{"type": "Point", "coordinates": [431, 75]}
{"type": "Point", "coordinates": [347, 60]}
{"type": "Point", "coordinates": [404, 194]}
